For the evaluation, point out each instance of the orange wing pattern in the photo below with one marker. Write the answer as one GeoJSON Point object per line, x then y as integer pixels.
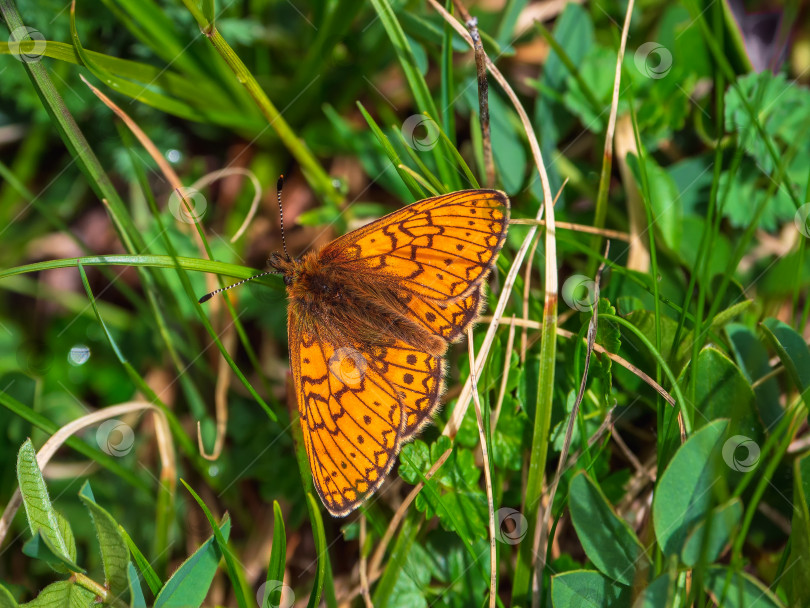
{"type": "Point", "coordinates": [416, 376]}
{"type": "Point", "coordinates": [448, 320]}
{"type": "Point", "coordinates": [358, 403]}
{"type": "Point", "coordinates": [356, 408]}
{"type": "Point", "coordinates": [437, 248]}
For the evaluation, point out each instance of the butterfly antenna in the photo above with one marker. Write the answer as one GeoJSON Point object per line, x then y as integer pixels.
{"type": "Point", "coordinates": [208, 296]}
{"type": "Point", "coordinates": [279, 186]}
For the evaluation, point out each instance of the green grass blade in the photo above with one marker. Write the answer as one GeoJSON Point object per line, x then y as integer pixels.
{"type": "Point", "coordinates": [235, 574]}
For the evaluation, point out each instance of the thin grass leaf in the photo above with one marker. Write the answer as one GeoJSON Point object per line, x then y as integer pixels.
{"type": "Point", "coordinates": [410, 182]}
{"type": "Point", "coordinates": [321, 550]}
{"type": "Point", "coordinates": [278, 557]}
{"type": "Point", "coordinates": [235, 574]}
{"type": "Point", "coordinates": [149, 575]}
{"type": "Point", "coordinates": [416, 81]}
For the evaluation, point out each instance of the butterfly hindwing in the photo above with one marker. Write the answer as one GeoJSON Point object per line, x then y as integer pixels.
{"type": "Point", "coordinates": [416, 376]}
{"type": "Point", "coordinates": [351, 418]}
{"type": "Point", "coordinates": [438, 248]}
{"type": "Point", "coordinates": [356, 408]}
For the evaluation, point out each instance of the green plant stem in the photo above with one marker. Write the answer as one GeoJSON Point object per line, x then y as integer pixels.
{"type": "Point", "coordinates": [317, 177]}
{"type": "Point", "coordinates": [764, 481]}
{"type": "Point", "coordinates": [537, 459]}
{"type": "Point", "coordinates": [687, 420]}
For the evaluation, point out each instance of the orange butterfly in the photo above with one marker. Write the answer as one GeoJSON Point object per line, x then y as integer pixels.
{"type": "Point", "coordinates": [370, 317]}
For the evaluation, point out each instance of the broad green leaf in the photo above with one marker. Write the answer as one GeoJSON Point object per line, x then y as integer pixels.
{"type": "Point", "coordinates": [453, 493]}
{"type": "Point", "coordinates": [722, 392]}
{"type": "Point", "coordinates": [413, 580]}
{"type": "Point", "coordinates": [508, 148]}
{"type": "Point", "coordinates": [67, 533]}
{"type": "Point", "coordinates": [509, 435]}
{"type": "Point", "coordinates": [6, 599]}
{"type": "Point", "coordinates": [189, 584]}
{"type": "Point", "coordinates": [607, 539]}
{"type": "Point", "coordinates": [746, 189]}
{"type": "Point", "coordinates": [445, 556]}
{"type": "Point", "coordinates": [680, 355]}
{"type": "Point", "coordinates": [397, 559]}
{"type": "Point", "coordinates": [719, 525]}
{"type": "Point", "coordinates": [797, 569]}
{"type": "Point", "coordinates": [685, 492]}
{"type": "Point", "coordinates": [114, 552]}
{"type": "Point", "coordinates": [784, 111]}
{"type": "Point", "coordinates": [588, 589]}
{"type": "Point", "coordinates": [752, 357]}
{"type": "Point", "coordinates": [596, 71]}
{"type": "Point", "coordinates": [574, 32]}
{"type": "Point", "coordinates": [38, 508]}
{"type": "Point", "coordinates": [661, 592]}
{"type": "Point", "coordinates": [793, 351]}
{"type": "Point", "coordinates": [738, 590]}
{"type": "Point", "coordinates": [134, 585]}
{"type": "Point", "coordinates": [608, 334]}
{"type": "Point", "coordinates": [41, 547]}
{"type": "Point", "coordinates": [64, 594]}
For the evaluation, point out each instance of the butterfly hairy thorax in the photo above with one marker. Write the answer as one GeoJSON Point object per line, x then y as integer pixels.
{"type": "Point", "coordinates": [370, 316]}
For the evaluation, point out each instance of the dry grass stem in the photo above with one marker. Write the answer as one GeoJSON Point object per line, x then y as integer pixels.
{"type": "Point", "coordinates": [364, 585]}
{"type": "Point", "coordinates": [605, 232]}
{"type": "Point", "coordinates": [224, 374]}
{"type": "Point", "coordinates": [602, 351]}
{"type": "Point", "coordinates": [551, 260]}
{"type": "Point", "coordinates": [493, 562]}
{"type": "Point", "coordinates": [507, 360]}
{"type": "Point", "coordinates": [50, 447]}
{"type": "Point", "coordinates": [591, 337]}
{"type": "Point", "coordinates": [210, 178]}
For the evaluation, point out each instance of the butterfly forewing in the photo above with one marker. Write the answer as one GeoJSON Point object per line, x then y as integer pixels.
{"type": "Point", "coordinates": [438, 248]}
{"type": "Point", "coordinates": [448, 319]}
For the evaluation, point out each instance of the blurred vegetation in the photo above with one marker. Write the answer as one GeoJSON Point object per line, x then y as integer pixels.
{"type": "Point", "coordinates": [365, 107]}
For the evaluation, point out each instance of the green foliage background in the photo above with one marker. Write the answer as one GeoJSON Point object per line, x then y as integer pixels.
{"type": "Point", "coordinates": [700, 503]}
